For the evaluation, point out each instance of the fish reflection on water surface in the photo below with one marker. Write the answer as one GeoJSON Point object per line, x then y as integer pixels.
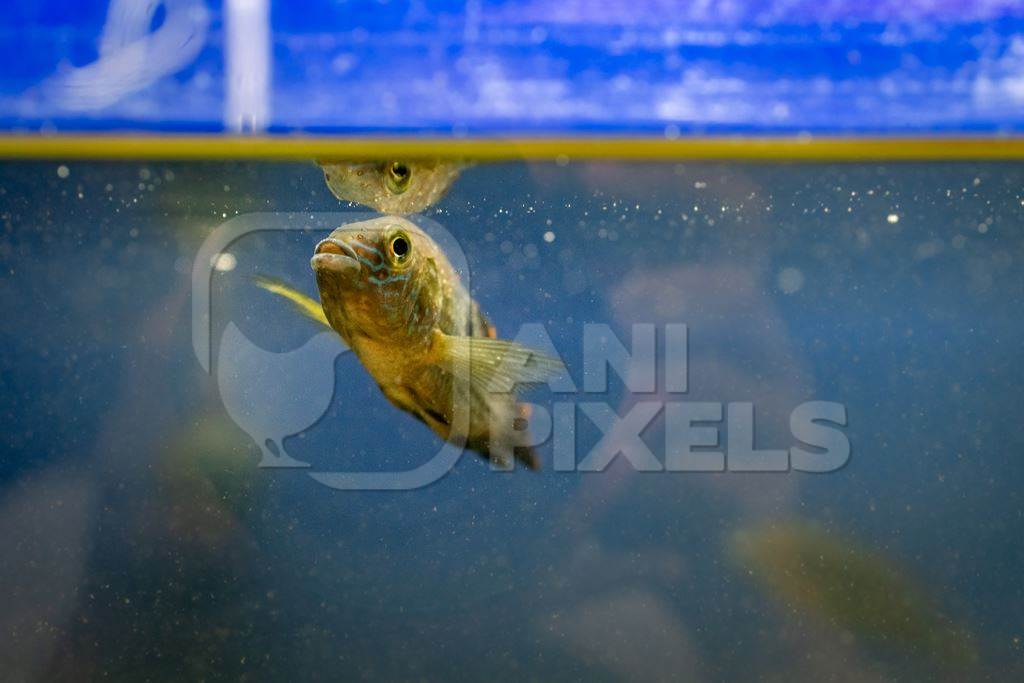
{"type": "Point", "coordinates": [391, 186]}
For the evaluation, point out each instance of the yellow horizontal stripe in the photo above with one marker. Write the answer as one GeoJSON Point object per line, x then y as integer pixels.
{"type": "Point", "coordinates": [302, 147]}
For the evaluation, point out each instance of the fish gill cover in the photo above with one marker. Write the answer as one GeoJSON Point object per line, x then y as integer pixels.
{"type": "Point", "coordinates": [648, 66]}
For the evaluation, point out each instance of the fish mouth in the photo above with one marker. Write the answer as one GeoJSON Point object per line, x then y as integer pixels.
{"type": "Point", "coordinates": [334, 255]}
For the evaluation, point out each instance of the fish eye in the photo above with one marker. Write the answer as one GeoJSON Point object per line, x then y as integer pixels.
{"type": "Point", "coordinates": [397, 176]}
{"type": "Point", "coordinates": [400, 247]}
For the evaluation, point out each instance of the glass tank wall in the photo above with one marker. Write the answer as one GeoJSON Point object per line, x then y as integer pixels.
{"type": "Point", "coordinates": [144, 541]}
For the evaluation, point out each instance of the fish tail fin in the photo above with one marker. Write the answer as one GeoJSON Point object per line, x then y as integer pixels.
{"type": "Point", "coordinates": [306, 305]}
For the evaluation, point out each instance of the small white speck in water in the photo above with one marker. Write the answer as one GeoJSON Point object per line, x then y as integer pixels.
{"type": "Point", "coordinates": [893, 218]}
{"type": "Point", "coordinates": [63, 171]}
{"type": "Point", "coordinates": [549, 237]}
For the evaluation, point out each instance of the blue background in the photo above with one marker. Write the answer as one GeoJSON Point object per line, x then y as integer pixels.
{"type": "Point", "coordinates": [514, 66]}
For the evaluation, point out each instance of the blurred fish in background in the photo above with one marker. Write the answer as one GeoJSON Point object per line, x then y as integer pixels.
{"type": "Point", "coordinates": [850, 587]}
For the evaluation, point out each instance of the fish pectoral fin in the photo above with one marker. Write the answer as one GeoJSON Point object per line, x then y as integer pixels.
{"type": "Point", "coordinates": [495, 365]}
{"type": "Point", "coordinates": [306, 305]}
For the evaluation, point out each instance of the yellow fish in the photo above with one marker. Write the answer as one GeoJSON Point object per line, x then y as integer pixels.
{"type": "Point", "coordinates": [389, 291]}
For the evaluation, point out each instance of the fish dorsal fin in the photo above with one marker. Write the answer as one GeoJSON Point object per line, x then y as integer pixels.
{"type": "Point", "coordinates": [496, 365]}
{"type": "Point", "coordinates": [306, 305]}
